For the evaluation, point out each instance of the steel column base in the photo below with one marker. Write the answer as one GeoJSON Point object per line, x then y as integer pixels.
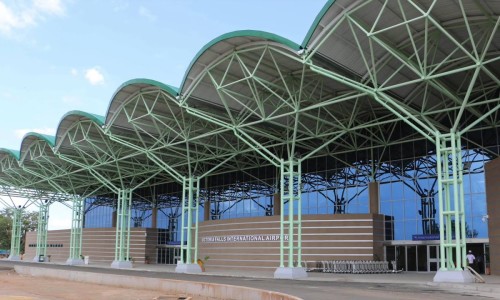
{"type": "Point", "coordinates": [188, 268]}
{"type": "Point", "coordinates": [14, 258]}
{"type": "Point", "coordinates": [454, 276]}
{"type": "Point", "coordinates": [37, 259]}
{"type": "Point", "coordinates": [121, 264]}
{"type": "Point", "coordinates": [290, 273]}
{"type": "Point", "coordinates": [75, 262]}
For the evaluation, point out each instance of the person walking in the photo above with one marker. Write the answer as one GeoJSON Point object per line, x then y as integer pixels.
{"type": "Point", "coordinates": [470, 259]}
{"type": "Point", "coordinates": [480, 263]}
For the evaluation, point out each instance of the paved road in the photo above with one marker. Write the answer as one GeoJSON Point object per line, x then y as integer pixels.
{"type": "Point", "coordinates": [306, 289]}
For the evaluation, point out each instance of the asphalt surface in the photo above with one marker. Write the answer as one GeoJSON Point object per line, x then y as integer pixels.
{"type": "Point", "coordinates": [306, 288]}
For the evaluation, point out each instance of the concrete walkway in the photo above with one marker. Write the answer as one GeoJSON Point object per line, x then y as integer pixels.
{"type": "Point", "coordinates": [492, 284]}
{"type": "Point", "coordinates": [317, 286]}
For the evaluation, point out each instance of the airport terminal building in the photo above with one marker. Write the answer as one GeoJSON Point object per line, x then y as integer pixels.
{"type": "Point", "coordinates": [375, 138]}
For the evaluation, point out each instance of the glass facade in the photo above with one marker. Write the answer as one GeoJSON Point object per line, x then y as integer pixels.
{"type": "Point", "coordinates": [407, 188]}
{"type": "Point", "coordinates": [408, 197]}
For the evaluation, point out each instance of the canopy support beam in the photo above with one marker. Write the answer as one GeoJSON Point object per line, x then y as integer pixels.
{"type": "Point", "coordinates": [15, 242]}
{"type": "Point", "coordinates": [75, 246]}
{"type": "Point", "coordinates": [452, 244]}
{"type": "Point", "coordinates": [189, 226]}
{"type": "Point", "coordinates": [41, 234]}
{"type": "Point", "coordinates": [290, 189]}
{"type": "Point", "coordinates": [122, 248]}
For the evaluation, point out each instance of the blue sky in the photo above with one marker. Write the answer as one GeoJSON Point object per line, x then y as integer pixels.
{"type": "Point", "coordinates": [63, 55]}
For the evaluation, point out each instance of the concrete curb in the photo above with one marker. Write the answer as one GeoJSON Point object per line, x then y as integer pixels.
{"type": "Point", "coordinates": [200, 290]}
{"type": "Point", "coordinates": [471, 287]}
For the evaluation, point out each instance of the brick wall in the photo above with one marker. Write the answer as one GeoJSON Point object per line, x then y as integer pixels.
{"type": "Point", "coordinates": [492, 175]}
{"type": "Point", "coordinates": [98, 243]}
{"type": "Point", "coordinates": [324, 237]}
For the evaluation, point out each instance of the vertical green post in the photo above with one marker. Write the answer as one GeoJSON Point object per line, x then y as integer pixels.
{"type": "Point", "coordinates": [299, 213]}
{"type": "Point", "coordinates": [451, 210]}
{"type": "Point", "coordinates": [282, 213]}
{"type": "Point", "coordinates": [189, 226]}
{"type": "Point", "coordinates": [291, 216]}
{"type": "Point", "coordinates": [122, 247]}
{"type": "Point", "coordinates": [456, 200]}
{"type": "Point", "coordinates": [183, 218]}
{"type": "Point", "coordinates": [41, 234]}
{"type": "Point", "coordinates": [292, 173]}
{"type": "Point", "coordinates": [15, 242]}
{"type": "Point", "coordinates": [463, 243]}
{"type": "Point", "coordinates": [75, 246]}
{"type": "Point", "coordinates": [197, 216]}
{"type": "Point", "coordinates": [188, 209]}
{"type": "Point", "coordinates": [439, 166]}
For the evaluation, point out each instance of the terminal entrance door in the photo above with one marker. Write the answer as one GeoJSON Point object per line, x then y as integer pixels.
{"type": "Point", "coordinates": [419, 258]}
{"type": "Point", "coordinates": [433, 255]}
{"type": "Point", "coordinates": [168, 255]}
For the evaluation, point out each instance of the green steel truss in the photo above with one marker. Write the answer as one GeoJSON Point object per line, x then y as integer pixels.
{"type": "Point", "coordinates": [75, 246]}
{"type": "Point", "coordinates": [118, 168]}
{"type": "Point", "coordinates": [15, 243]}
{"type": "Point", "coordinates": [290, 191]}
{"type": "Point", "coordinates": [441, 80]}
{"type": "Point", "coordinates": [39, 160]}
{"type": "Point", "coordinates": [122, 249]}
{"type": "Point", "coordinates": [189, 217]}
{"type": "Point", "coordinates": [41, 233]}
{"type": "Point", "coordinates": [151, 122]}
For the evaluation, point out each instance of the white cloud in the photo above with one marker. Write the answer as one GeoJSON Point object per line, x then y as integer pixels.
{"type": "Point", "coordinates": [52, 7]}
{"type": "Point", "coordinates": [94, 76]}
{"type": "Point", "coordinates": [146, 13]}
{"type": "Point", "coordinates": [74, 72]}
{"type": "Point", "coordinates": [21, 132]}
{"type": "Point", "coordinates": [14, 17]}
{"type": "Point", "coordinates": [10, 19]}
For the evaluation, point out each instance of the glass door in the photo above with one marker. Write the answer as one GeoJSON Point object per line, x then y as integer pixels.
{"type": "Point", "coordinates": [422, 258]}
{"type": "Point", "coordinates": [433, 255]}
{"type": "Point", "coordinates": [169, 255]}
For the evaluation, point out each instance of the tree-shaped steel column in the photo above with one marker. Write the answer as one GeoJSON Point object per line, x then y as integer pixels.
{"type": "Point", "coordinates": [440, 97]}
{"type": "Point", "coordinates": [75, 245]}
{"type": "Point", "coordinates": [122, 249]}
{"type": "Point", "coordinates": [119, 169]}
{"type": "Point", "coordinates": [290, 187]}
{"type": "Point", "coordinates": [15, 242]}
{"type": "Point", "coordinates": [189, 226]}
{"type": "Point", "coordinates": [452, 212]}
{"type": "Point", "coordinates": [41, 234]}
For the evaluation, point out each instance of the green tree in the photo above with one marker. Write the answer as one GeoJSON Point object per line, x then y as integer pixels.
{"type": "Point", "coordinates": [29, 221]}
{"type": "Point", "coordinates": [5, 229]}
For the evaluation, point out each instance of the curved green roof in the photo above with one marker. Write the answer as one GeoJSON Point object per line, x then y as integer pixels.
{"type": "Point", "coordinates": [50, 139]}
{"type": "Point", "coordinates": [316, 21]}
{"type": "Point", "coordinates": [168, 88]}
{"type": "Point", "coordinates": [98, 119]}
{"type": "Point", "coordinates": [16, 154]}
{"type": "Point", "coordinates": [240, 33]}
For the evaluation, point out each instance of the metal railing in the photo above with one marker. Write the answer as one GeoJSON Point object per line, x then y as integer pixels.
{"type": "Point", "coordinates": [358, 266]}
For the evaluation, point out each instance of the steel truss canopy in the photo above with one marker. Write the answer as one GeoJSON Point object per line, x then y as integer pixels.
{"type": "Point", "coordinates": [369, 74]}
{"type": "Point", "coordinates": [370, 77]}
